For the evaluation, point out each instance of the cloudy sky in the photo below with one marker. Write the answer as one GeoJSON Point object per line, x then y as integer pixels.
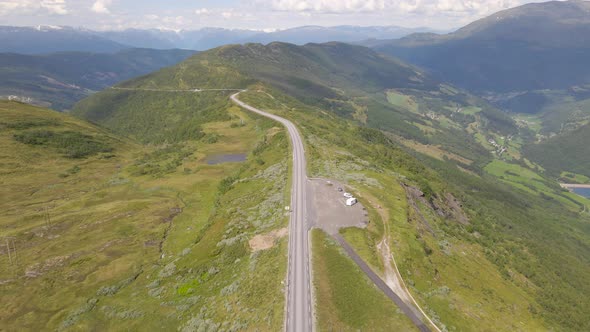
{"type": "Point", "coordinates": [250, 14]}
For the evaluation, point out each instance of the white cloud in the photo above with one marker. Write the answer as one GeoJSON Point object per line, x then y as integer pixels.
{"type": "Point", "coordinates": [18, 7]}
{"type": "Point", "coordinates": [395, 6]}
{"type": "Point", "coordinates": [334, 6]}
{"type": "Point", "coordinates": [471, 6]}
{"type": "Point", "coordinates": [101, 6]}
{"type": "Point", "coordinates": [257, 14]}
{"type": "Point", "coordinates": [202, 11]}
{"type": "Point", "coordinates": [9, 6]}
{"type": "Point", "coordinates": [234, 14]}
{"type": "Point", "coordinates": [175, 20]}
{"type": "Point", "coordinates": [55, 6]}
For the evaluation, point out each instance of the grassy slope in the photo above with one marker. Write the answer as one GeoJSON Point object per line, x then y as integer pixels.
{"type": "Point", "coordinates": [568, 152]}
{"type": "Point", "coordinates": [566, 114]}
{"type": "Point", "coordinates": [116, 233]}
{"type": "Point", "coordinates": [448, 276]}
{"type": "Point", "coordinates": [154, 117]}
{"type": "Point", "coordinates": [346, 299]}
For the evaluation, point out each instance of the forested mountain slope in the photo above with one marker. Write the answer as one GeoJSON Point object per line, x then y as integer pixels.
{"type": "Point", "coordinates": [568, 152]}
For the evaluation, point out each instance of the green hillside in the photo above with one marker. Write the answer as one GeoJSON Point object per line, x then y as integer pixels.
{"type": "Point", "coordinates": [355, 82]}
{"type": "Point", "coordinates": [485, 244]}
{"type": "Point", "coordinates": [155, 117]}
{"type": "Point", "coordinates": [106, 233]}
{"type": "Point", "coordinates": [59, 80]}
{"type": "Point", "coordinates": [569, 152]}
{"type": "Point", "coordinates": [375, 90]}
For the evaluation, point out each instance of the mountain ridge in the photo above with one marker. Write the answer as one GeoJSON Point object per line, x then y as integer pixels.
{"type": "Point", "coordinates": [509, 53]}
{"type": "Point", "coordinates": [82, 39]}
{"type": "Point", "coordinates": [31, 40]}
{"type": "Point", "coordinates": [59, 80]}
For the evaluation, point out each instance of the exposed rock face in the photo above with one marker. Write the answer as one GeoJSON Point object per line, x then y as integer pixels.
{"type": "Point", "coordinates": [447, 206]}
{"type": "Point", "coordinates": [456, 209]}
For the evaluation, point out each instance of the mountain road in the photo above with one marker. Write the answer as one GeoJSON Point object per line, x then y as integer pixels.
{"type": "Point", "coordinates": [299, 316]}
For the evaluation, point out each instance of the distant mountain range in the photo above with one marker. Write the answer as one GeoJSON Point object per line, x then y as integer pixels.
{"type": "Point", "coordinates": [59, 80]}
{"type": "Point", "coordinates": [48, 39]}
{"type": "Point", "coordinates": [532, 47]}
{"type": "Point", "coordinates": [56, 66]}
{"type": "Point", "coordinates": [44, 40]}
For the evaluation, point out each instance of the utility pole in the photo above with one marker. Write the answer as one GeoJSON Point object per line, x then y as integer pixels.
{"type": "Point", "coordinates": [15, 252]}
{"type": "Point", "coordinates": [11, 251]}
{"type": "Point", "coordinates": [47, 218]}
{"type": "Point", "coordinates": [8, 251]}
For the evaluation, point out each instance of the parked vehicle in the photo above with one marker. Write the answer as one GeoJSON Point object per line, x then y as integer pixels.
{"type": "Point", "coordinates": [351, 201]}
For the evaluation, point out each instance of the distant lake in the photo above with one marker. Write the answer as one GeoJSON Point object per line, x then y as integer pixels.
{"type": "Point", "coordinates": [226, 158]}
{"type": "Point", "coordinates": [582, 191]}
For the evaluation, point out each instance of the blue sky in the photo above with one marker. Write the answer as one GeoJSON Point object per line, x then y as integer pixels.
{"type": "Point", "coordinates": [247, 14]}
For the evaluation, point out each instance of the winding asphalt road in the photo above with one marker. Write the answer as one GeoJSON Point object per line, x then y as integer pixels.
{"type": "Point", "coordinates": [299, 308]}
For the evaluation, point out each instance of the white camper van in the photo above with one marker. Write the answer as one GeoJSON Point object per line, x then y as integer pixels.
{"type": "Point", "coordinates": [351, 201]}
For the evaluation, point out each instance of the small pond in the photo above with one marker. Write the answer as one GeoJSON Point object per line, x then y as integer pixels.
{"type": "Point", "coordinates": [226, 158]}
{"type": "Point", "coordinates": [582, 191]}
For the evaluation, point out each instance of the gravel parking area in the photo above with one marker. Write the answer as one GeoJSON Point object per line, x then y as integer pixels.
{"type": "Point", "coordinates": [328, 210]}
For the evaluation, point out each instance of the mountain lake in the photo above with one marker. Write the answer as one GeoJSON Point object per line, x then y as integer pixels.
{"type": "Point", "coordinates": [226, 158]}
{"type": "Point", "coordinates": [582, 191]}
